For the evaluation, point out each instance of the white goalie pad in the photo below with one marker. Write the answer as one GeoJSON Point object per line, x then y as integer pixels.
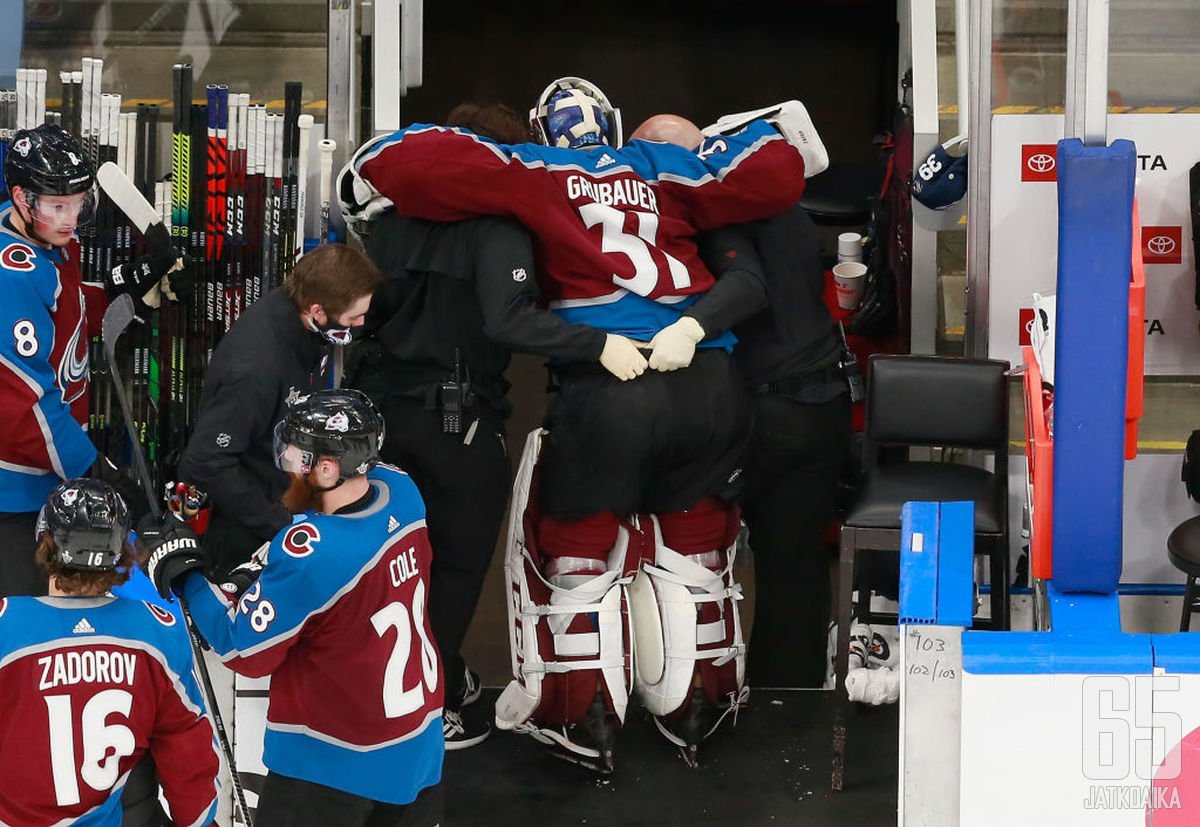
{"type": "Point", "coordinates": [550, 660]}
{"type": "Point", "coordinates": [671, 641]}
{"type": "Point", "coordinates": [792, 121]}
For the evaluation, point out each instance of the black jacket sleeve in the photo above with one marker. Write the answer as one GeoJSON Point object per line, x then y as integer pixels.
{"type": "Point", "coordinates": [233, 419]}
{"type": "Point", "coordinates": [508, 294]}
{"type": "Point", "coordinates": [740, 291]}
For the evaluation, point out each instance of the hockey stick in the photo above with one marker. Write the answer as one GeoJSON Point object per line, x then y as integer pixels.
{"type": "Point", "coordinates": [116, 319]}
{"type": "Point", "coordinates": [304, 124]}
{"type": "Point", "coordinates": [327, 147]}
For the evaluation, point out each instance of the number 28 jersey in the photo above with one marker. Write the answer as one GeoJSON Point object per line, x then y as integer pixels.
{"type": "Point", "coordinates": [88, 685]}
{"type": "Point", "coordinates": [614, 228]}
{"type": "Point", "coordinates": [338, 620]}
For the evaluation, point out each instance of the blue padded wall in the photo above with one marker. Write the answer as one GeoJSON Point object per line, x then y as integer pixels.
{"type": "Point", "coordinates": [1095, 218]}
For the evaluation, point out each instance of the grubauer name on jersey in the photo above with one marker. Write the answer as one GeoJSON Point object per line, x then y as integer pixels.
{"type": "Point", "coordinates": [338, 618]}
{"type": "Point", "coordinates": [88, 686]}
{"type": "Point", "coordinates": [44, 370]}
{"type": "Point", "coordinates": [614, 229]}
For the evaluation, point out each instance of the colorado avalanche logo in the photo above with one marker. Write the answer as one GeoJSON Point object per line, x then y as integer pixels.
{"type": "Point", "coordinates": [19, 257]}
{"type": "Point", "coordinates": [70, 496]}
{"type": "Point", "coordinates": [298, 542]}
{"type": "Point", "coordinates": [338, 422]}
{"type": "Point", "coordinates": [22, 147]}
{"type": "Point", "coordinates": [160, 614]}
{"type": "Point", "coordinates": [73, 367]}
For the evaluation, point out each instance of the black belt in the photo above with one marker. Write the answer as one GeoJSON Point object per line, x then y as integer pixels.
{"type": "Point", "coordinates": [799, 381]}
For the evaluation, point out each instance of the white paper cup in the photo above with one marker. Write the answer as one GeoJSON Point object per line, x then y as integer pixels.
{"type": "Point", "coordinates": [850, 279]}
{"type": "Point", "coordinates": [849, 247]}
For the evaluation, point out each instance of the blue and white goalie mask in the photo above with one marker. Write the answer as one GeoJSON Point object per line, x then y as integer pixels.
{"type": "Point", "coordinates": [572, 113]}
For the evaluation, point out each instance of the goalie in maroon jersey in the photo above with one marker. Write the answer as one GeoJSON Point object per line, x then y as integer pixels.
{"type": "Point", "coordinates": [91, 683]}
{"type": "Point", "coordinates": [634, 469]}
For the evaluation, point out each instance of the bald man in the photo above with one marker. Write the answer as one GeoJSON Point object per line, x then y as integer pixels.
{"type": "Point", "coordinates": [788, 354]}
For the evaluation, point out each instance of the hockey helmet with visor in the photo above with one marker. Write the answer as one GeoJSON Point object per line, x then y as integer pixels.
{"type": "Point", "coordinates": [88, 521]}
{"type": "Point", "coordinates": [340, 424]}
{"type": "Point", "coordinates": [54, 173]}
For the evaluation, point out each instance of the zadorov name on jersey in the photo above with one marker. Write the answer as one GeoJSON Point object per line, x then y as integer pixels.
{"type": "Point", "coordinates": [88, 666]}
{"type": "Point", "coordinates": [613, 193]}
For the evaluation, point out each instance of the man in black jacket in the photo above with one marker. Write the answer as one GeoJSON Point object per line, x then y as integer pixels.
{"type": "Point", "coordinates": [788, 355]}
{"type": "Point", "coordinates": [279, 350]}
{"type": "Point", "coordinates": [458, 299]}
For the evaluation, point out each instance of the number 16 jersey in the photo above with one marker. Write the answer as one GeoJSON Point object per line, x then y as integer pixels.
{"type": "Point", "coordinates": [338, 620]}
{"type": "Point", "coordinates": [88, 685]}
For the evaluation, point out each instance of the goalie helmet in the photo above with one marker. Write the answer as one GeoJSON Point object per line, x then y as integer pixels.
{"type": "Point", "coordinates": [88, 521]}
{"type": "Point", "coordinates": [47, 161]}
{"type": "Point", "coordinates": [573, 113]}
{"type": "Point", "coordinates": [342, 424]}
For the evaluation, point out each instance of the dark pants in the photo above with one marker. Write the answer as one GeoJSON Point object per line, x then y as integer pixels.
{"type": "Point", "coordinates": [139, 799]}
{"type": "Point", "coordinates": [19, 574]}
{"type": "Point", "coordinates": [661, 442]}
{"type": "Point", "coordinates": [797, 453]}
{"type": "Point", "coordinates": [290, 802]}
{"type": "Point", "coordinates": [465, 488]}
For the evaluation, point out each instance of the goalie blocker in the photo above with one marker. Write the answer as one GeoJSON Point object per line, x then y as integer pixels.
{"type": "Point", "coordinates": [586, 632]}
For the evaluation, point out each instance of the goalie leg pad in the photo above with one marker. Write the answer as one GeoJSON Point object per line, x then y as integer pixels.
{"type": "Point", "coordinates": [686, 622]}
{"type": "Point", "coordinates": [569, 631]}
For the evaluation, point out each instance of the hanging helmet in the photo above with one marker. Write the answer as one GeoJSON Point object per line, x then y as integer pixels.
{"type": "Point", "coordinates": [342, 424]}
{"type": "Point", "coordinates": [47, 161]}
{"type": "Point", "coordinates": [88, 521]}
{"type": "Point", "coordinates": [573, 113]}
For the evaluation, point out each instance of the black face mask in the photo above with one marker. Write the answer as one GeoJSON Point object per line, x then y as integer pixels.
{"type": "Point", "coordinates": [333, 333]}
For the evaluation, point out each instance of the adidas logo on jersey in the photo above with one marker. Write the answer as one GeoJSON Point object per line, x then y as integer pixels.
{"type": "Point", "coordinates": [83, 628]}
{"type": "Point", "coordinates": [393, 524]}
{"type": "Point", "coordinates": [606, 160]}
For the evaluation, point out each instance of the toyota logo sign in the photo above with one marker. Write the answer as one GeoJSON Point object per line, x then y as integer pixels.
{"type": "Point", "coordinates": [1039, 162]}
{"type": "Point", "coordinates": [1162, 245]}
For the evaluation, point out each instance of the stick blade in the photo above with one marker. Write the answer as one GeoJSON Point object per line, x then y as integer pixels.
{"type": "Point", "coordinates": [116, 318]}
{"type": "Point", "coordinates": [125, 194]}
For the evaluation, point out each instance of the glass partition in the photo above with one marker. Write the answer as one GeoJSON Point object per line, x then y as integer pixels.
{"type": "Point", "coordinates": [254, 46]}
{"type": "Point", "coordinates": [1154, 54]}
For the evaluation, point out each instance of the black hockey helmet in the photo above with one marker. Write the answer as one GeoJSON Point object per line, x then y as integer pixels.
{"type": "Point", "coordinates": [47, 161]}
{"type": "Point", "coordinates": [88, 521]}
{"type": "Point", "coordinates": [342, 424]}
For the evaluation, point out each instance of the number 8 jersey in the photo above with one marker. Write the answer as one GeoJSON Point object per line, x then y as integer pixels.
{"type": "Point", "coordinates": [88, 685]}
{"type": "Point", "coordinates": [338, 620]}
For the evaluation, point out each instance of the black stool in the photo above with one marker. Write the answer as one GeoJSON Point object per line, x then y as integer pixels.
{"type": "Point", "coordinates": [1183, 548]}
{"type": "Point", "coordinates": [841, 195]}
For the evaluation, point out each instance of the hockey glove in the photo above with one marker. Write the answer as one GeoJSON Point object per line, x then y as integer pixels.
{"type": "Point", "coordinates": [174, 552]}
{"type": "Point", "coordinates": [239, 581]}
{"type": "Point", "coordinates": [177, 284]}
{"type": "Point", "coordinates": [674, 346]}
{"type": "Point", "coordinates": [622, 358]}
{"type": "Point", "coordinates": [141, 278]}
